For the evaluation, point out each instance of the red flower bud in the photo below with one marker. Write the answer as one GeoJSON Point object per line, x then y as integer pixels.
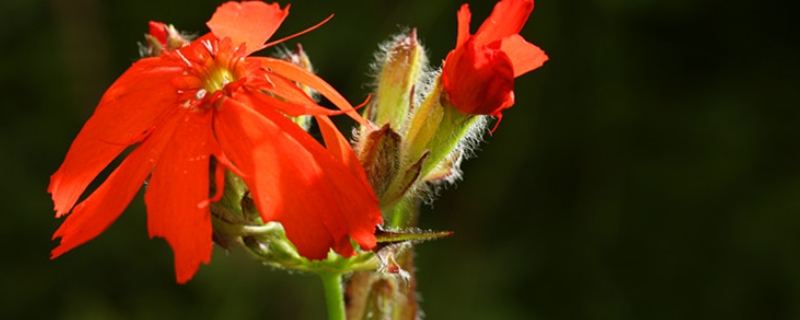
{"type": "Point", "coordinates": [158, 30]}
{"type": "Point", "coordinates": [479, 73]}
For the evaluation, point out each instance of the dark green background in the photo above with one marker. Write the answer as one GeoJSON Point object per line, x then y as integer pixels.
{"type": "Point", "coordinates": [648, 171]}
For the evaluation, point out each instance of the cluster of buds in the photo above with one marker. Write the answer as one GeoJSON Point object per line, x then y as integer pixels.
{"type": "Point", "coordinates": [419, 138]}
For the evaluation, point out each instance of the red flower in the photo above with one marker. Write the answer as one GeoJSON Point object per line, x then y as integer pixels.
{"type": "Point", "coordinates": [206, 99]}
{"type": "Point", "coordinates": [479, 73]}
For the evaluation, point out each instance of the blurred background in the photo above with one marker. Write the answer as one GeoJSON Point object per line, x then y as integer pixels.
{"type": "Point", "coordinates": [650, 169]}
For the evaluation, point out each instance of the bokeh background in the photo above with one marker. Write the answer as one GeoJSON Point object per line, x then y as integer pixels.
{"type": "Point", "coordinates": [650, 169]}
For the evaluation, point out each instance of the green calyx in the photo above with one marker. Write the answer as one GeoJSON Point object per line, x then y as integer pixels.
{"type": "Point", "coordinates": [400, 66]}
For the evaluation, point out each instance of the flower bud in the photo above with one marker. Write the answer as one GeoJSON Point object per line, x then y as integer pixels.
{"type": "Point", "coordinates": [161, 37]}
{"type": "Point", "coordinates": [379, 154]}
{"type": "Point", "coordinates": [478, 74]}
{"type": "Point", "coordinates": [401, 65]}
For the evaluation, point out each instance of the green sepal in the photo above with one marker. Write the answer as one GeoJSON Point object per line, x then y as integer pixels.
{"type": "Point", "coordinates": [379, 154]}
{"type": "Point", "coordinates": [403, 183]}
{"type": "Point", "coordinates": [413, 235]}
{"type": "Point", "coordinates": [400, 68]}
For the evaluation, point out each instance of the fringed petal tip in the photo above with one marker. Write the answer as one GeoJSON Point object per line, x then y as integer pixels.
{"type": "Point", "coordinates": [464, 17]}
{"type": "Point", "coordinates": [186, 269]}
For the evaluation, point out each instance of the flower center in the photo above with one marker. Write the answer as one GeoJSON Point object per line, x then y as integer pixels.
{"type": "Point", "coordinates": [216, 79]}
{"type": "Point", "coordinates": [212, 72]}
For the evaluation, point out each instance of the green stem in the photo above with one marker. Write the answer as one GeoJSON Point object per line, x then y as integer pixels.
{"type": "Point", "coordinates": [404, 216]}
{"type": "Point", "coordinates": [334, 294]}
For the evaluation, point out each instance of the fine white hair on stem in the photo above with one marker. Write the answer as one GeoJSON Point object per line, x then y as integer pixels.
{"type": "Point", "coordinates": [466, 148]}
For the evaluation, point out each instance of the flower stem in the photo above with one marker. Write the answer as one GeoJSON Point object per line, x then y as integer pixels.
{"type": "Point", "coordinates": [334, 296]}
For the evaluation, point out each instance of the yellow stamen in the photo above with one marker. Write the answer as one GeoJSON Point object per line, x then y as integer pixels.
{"type": "Point", "coordinates": [217, 78]}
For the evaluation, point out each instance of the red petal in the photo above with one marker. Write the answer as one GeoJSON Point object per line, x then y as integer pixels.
{"type": "Point", "coordinates": [298, 74]}
{"type": "Point", "coordinates": [340, 148]}
{"type": "Point", "coordinates": [290, 109]}
{"type": "Point", "coordinates": [276, 84]}
{"type": "Point", "coordinates": [180, 182]}
{"type": "Point", "coordinates": [479, 80]}
{"type": "Point", "coordinates": [249, 22]}
{"type": "Point", "coordinates": [105, 204]}
{"type": "Point", "coordinates": [524, 55]}
{"type": "Point", "coordinates": [128, 111]}
{"type": "Point", "coordinates": [293, 100]}
{"type": "Point", "coordinates": [298, 183]}
{"type": "Point", "coordinates": [464, 17]}
{"type": "Point", "coordinates": [506, 19]}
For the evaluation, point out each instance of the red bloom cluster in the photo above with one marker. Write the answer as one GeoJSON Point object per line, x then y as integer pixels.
{"type": "Point", "coordinates": [207, 99]}
{"type": "Point", "coordinates": [479, 73]}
